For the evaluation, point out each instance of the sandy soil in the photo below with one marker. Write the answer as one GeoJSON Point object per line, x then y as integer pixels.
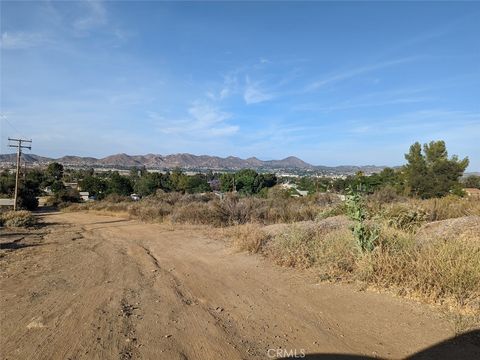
{"type": "Point", "coordinates": [95, 287]}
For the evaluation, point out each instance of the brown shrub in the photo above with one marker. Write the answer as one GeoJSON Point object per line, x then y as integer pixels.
{"type": "Point", "coordinates": [197, 213]}
{"type": "Point", "coordinates": [231, 210]}
{"type": "Point", "coordinates": [150, 211]}
{"type": "Point", "coordinates": [296, 247]}
{"type": "Point", "coordinates": [404, 216]}
{"type": "Point", "coordinates": [386, 195]}
{"type": "Point", "coordinates": [450, 207]}
{"type": "Point", "coordinates": [249, 237]}
{"type": "Point", "coordinates": [20, 218]}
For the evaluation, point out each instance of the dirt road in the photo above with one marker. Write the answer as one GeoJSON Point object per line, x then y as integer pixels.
{"type": "Point", "coordinates": [97, 287]}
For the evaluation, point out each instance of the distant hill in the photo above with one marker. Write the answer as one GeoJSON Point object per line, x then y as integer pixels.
{"type": "Point", "coordinates": [29, 158]}
{"type": "Point", "coordinates": [187, 161]}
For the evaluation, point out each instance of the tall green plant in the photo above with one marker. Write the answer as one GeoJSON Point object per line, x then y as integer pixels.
{"type": "Point", "coordinates": [365, 235]}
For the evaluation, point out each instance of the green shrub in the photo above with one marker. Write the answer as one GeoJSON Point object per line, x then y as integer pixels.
{"type": "Point", "coordinates": [365, 234]}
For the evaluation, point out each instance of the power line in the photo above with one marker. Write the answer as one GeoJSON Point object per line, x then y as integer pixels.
{"type": "Point", "coordinates": [12, 127]}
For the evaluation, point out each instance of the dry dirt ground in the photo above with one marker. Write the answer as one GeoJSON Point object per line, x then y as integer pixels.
{"type": "Point", "coordinates": [86, 286]}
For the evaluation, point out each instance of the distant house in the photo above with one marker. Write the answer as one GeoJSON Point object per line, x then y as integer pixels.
{"type": "Point", "coordinates": [288, 186]}
{"type": "Point", "coordinates": [294, 190]}
{"type": "Point", "coordinates": [72, 185]}
{"type": "Point", "coordinates": [85, 195]}
{"type": "Point", "coordinates": [302, 192]}
{"type": "Point", "coordinates": [6, 202]}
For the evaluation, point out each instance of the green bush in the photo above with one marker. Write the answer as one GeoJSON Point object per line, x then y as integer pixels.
{"type": "Point", "coordinates": [365, 234]}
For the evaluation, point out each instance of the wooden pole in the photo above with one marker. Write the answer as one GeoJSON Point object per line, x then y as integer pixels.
{"type": "Point", "coordinates": [19, 147]}
{"type": "Point", "coordinates": [17, 177]}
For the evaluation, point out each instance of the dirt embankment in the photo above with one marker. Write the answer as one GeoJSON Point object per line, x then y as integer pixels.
{"type": "Point", "coordinates": [97, 287]}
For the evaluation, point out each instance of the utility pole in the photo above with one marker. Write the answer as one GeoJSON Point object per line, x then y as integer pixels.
{"type": "Point", "coordinates": [17, 143]}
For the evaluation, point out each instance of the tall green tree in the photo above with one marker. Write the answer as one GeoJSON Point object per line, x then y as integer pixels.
{"type": "Point", "coordinates": [118, 184]}
{"type": "Point", "coordinates": [55, 170]}
{"type": "Point", "coordinates": [95, 186]}
{"type": "Point", "coordinates": [432, 173]}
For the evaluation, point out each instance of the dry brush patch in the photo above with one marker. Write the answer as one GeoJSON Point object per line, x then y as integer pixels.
{"type": "Point", "coordinates": [248, 237]}
{"type": "Point", "coordinates": [209, 209]}
{"type": "Point", "coordinates": [20, 218]}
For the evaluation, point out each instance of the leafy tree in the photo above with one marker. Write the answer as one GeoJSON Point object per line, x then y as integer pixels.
{"type": "Point", "coordinates": [118, 184]}
{"type": "Point", "coordinates": [26, 198]}
{"type": "Point", "coordinates": [55, 171]}
{"type": "Point", "coordinates": [416, 172]}
{"type": "Point", "coordinates": [137, 172]}
{"type": "Point", "coordinates": [178, 180]}
{"type": "Point", "coordinates": [57, 186]}
{"type": "Point", "coordinates": [149, 183]}
{"type": "Point", "coordinates": [432, 173]}
{"type": "Point", "coordinates": [34, 180]}
{"type": "Point", "coordinates": [66, 195]}
{"type": "Point", "coordinates": [197, 183]}
{"type": "Point", "coordinates": [28, 189]}
{"type": "Point", "coordinates": [472, 181]}
{"type": "Point", "coordinates": [266, 181]}
{"type": "Point", "coordinates": [245, 181]}
{"type": "Point", "coordinates": [95, 186]}
{"type": "Point", "coordinates": [227, 182]}
{"type": "Point", "coordinates": [7, 182]}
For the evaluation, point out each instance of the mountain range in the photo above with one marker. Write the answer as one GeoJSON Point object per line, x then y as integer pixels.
{"type": "Point", "coordinates": [186, 161]}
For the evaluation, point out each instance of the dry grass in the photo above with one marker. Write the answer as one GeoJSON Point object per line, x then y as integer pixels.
{"type": "Point", "coordinates": [438, 271]}
{"type": "Point", "coordinates": [403, 216]}
{"type": "Point", "coordinates": [249, 237]}
{"type": "Point", "coordinates": [450, 207]}
{"type": "Point", "coordinates": [208, 209]}
{"type": "Point", "coordinates": [296, 247]}
{"type": "Point", "coordinates": [20, 218]}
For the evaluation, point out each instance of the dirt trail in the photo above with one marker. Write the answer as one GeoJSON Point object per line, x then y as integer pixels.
{"type": "Point", "coordinates": [97, 287]}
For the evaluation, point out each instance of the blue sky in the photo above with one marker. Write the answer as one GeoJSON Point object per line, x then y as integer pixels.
{"type": "Point", "coordinates": [330, 82]}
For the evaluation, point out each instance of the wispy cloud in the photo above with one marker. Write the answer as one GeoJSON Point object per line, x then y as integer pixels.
{"type": "Point", "coordinates": [226, 89]}
{"type": "Point", "coordinates": [254, 93]}
{"type": "Point", "coordinates": [23, 40]}
{"type": "Point", "coordinates": [95, 16]}
{"type": "Point", "coordinates": [204, 120]}
{"type": "Point", "coordinates": [351, 73]}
